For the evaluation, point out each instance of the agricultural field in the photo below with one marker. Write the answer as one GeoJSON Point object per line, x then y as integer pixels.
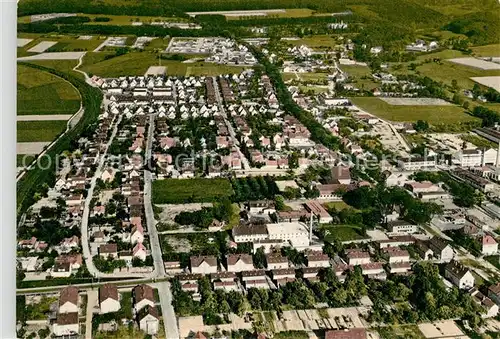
{"type": "Point", "coordinates": [70, 44]}
{"type": "Point", "coordinates": [174, 191]}
{"type": "Point", "coordinates": [40, 92]}
{"type": "Point", "coordinates": [116, 19]}
{"type": "Point", "coordinates": [137, 63]}
{"type": "Point", "coordinates": [487, 50]}
{"type": "Point", "coordinates": [360, 76]}
{"type": "Point", "coordinates": [35, 131]}
{"type": "Point", "coordinates": [433, 114]}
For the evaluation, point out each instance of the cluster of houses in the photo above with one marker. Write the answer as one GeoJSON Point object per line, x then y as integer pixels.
{"type": "Point", "coordinates": [144, 310]}
{"type": "Point", "coordinates": [220, 50]}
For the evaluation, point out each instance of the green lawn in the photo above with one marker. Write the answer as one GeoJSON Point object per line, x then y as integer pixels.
{"type": "Point", "coordinates": [172, 191]}
{"type": "Point", "coordinates": [338, 205]}
{"type": "Point", "coordinates": [40, 92]}
{"type": "Point", "coordinates": [31, 131]}
{"type": "Point", "coordinates": [400, 332]}
{"type": "Point", "coordinates": [343, 232]}
{"type": "Point", "coordinates": [137, 63]}
{"type": "Point", "coordinates": [433, 114]}
{"type": "Point", "coordinates": [291, 335]}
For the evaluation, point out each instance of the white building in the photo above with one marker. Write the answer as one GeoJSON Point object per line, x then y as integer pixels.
{"type": "Point", "coordinates": [459, 275]}
{"type": "Point", "coordinates": [66, 324]}
{"type": "Point", "coordinates": [295, 232]}
{"type": "Point", "coordinates": [489, 245]}
{"type": "Point", "coordinates": [469, 158]}
{"type": "Point", "coordinates": [203, 264]}
{"type": "Point", "coordinates": [239, 262]}
{"type": "Point", "coordinates": [148, 320]}
{"type": "Point", "coordinates": [109, 300]}
{"type": "Point", "coordinates": [401, 227]}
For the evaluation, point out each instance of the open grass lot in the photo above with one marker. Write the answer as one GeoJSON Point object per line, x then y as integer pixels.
{"type": "Point", "coordinates": [360, 76]}
{"type": "Point", "coordinates": [433, 114]}
{"type": "Point", "coordinates": [338, 205]}
{"type": "Point", "coordinates": [487, 50]}
{"type": "Point", "coordinates": [137, 63]}
{"type": "Point", "coordinates": [69, 44]}
{"type": "Point", "coordinates": [400, 332]}
{"type": "Point", "coordinates": [40, 92]}
{"type": "Point", "coordinates": [60, 65]}
{"type": "Point", "coordinates": [342, 232]}
{"type": "Point", "coordinates": [171, 191]}
{"type": "Point", "coordinates": [315, 41]}
{"type": "Point", "coordinates": [447, 71]}
{"type": "Point", "coordinates": [30, 131]}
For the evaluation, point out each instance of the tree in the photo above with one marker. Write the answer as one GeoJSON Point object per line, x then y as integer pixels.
{"type": "Point", "coordinates": [454, 85]}
{"type": "Point", "coordinates": [421, 126]}
{"type": "Point", "coordinates": [259, 258]}
{"type": "Point", "coordinates": [457, 100]}
{"type": "Point", "coordinates": [279, 203]}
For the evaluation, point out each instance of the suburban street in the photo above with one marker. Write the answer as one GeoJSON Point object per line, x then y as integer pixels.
{"type": "Point", "coordinates": [148, 206]}
{"type": "Point", "coordinates": [168, 313]}
{"type": "Point", "coordinates": [244, 160]}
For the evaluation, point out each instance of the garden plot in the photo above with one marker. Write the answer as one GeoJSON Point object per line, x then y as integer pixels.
{"type": "Point", "coordinates": [42, 46]}
{"type": "Point", "coordinates": [54, 56]}
{"type": "Point", "coordinates": [477, 63]}
{"type": "Point", "coordinates": [492, 82]}
{"type": "Point", "coordinates": [416, 101]}
{"type": "Point", "coordinates": [23, 42]}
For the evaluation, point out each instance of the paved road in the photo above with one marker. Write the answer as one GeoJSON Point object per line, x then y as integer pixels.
{"type": "Point", "coordinates": [92, 300]}
{"type": "Point", "coordinates": [169, 318]}
{"type": "Point", "coordinates": [218, 97]}
{"type": "Point", "coordinates": [148, 207]}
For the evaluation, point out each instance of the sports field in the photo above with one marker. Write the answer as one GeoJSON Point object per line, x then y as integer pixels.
{"type": "Point", "coordinates": [33, 131]}
{"type": "Point", "coordinates": [137, 63]}
{"type": "Point", "coordinates": [178, 191]}
{"type": "Point", "coordinates": [433, 114]}
{"type": "Point", "coordinates": [40, 92]}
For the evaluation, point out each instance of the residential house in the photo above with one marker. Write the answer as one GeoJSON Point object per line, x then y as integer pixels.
{"type": "Point", "coordinates": [239, 262]}
{"type": "Point", "coordinates": [203, 264]}
{"type": "Point", "coordinates": [249, 233]}
{"type": "Point", "coordinates": [340, 175]}
{"type": "Point", "coordinates": [148, 319]}
{"type": "Point", "coordinates": [139, 251]}
{"type": "Point", "coordinates": [441, 249]}
{"type": "Point", "coordinates": [137, 234]}
{"type": "Point", "coordinates": [357, 257]}
{"type": "Point", "coordinates": [68, 300]}
{"type": "Point", "coordinates": [322, 215]}
{"type": "Point", "coordinates": [494, 293]}
{"type": "Point", "coordinates": [316, 259]}
{"type": "Point", "coordinates": [109, 299]}
{"type": "Point", "coordinates": [276, 261]}
{"type": "Point", "coordinates": [108, 250]}
{"type": "Point", "coordinates": [459, 275]}
{"type": "Point", "coordinates": [227, 286]}
{"type": "Point", "coordinates": [490, 309]}
{"type": "Point", "coordinates": [143, 296]}
{"type": "Point", "coordinates": [489, 245]}
{"type": "Point", "coordinates": [66, 324]}
{"type": "Point", "coordinates": [396, 255]}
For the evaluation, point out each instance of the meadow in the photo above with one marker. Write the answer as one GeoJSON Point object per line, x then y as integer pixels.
{"type": "Point", "coordinates": [34, 131]}
{"type": "Point", "coordinates": [40, 92]}
{"type": "Point", "coordinates": [433, 114]}
{"type": "Point", "coordinates": [137, 63]}
{"type": "Point", "coordinates": [178, 191]}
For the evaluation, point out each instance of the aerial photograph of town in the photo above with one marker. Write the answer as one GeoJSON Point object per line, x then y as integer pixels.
{"type": "Point", "coordinates": [258, 169]}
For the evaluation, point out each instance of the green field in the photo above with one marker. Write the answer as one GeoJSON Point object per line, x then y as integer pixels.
{"type": "Point", "coordinates": [117, 19]}
{"type": "Point", "coordinates": [315, 42]}
{"type": "Point", "coordinates": [487, 50]}
{"type": "Point", "coordinates": [343, 233]}
{"type": "Point", "coordinates": [40, 92]}
{"type": "Point", "coordinates": [137, 63]}
{"type": "Point", "coordinates": [68, 44]}
{"type": "Point", "coordinates": [32, 131]}
{"type": "Point", "coordinates": [59, 65]}
{"type": "Point", "coordinates": [178, 191]}
{"type": "Point", "coordinates": [433, 114]}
